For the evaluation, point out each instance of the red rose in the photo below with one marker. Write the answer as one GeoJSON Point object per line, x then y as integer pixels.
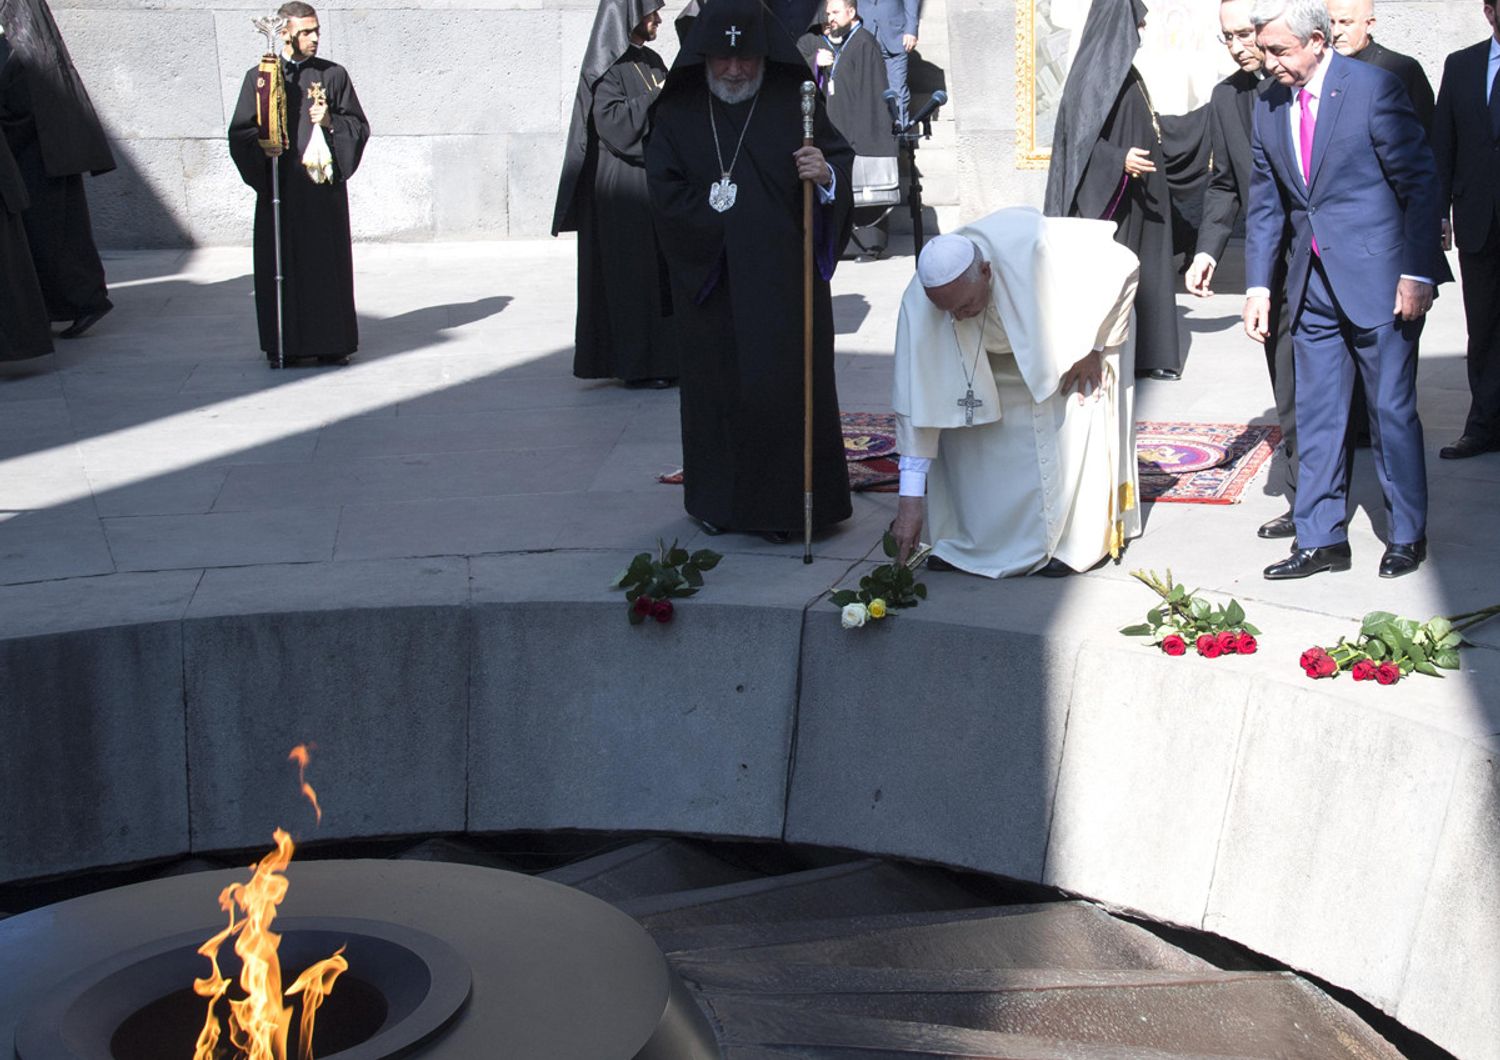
{"type": "Point", "coordinates": [1245, 644]}
{"type": "Point", "coordinates": [1172, 644]}
{"type": "Point", "coordinates": [1229, 642]}
{"type": "Point", "coordinates": [1208, 646]}
{"type": "Point", "coordinates": [1387, 673]}
{"type": "Point", "coordinates": [1363, 670]}
{"type": "Point", "coordinates": [1309, 656]}
{"type": "Point", "coordinates": [662, 610]}
{"type": "Point", "coordinates": [1318, 663]}
{"type": "Point", "coordinates": [643, 605]}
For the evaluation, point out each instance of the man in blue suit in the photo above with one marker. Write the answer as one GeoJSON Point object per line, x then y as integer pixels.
{"type": "Point", "coordinates": [894, 23]}
{"type": "Point", "coordinates": [1340, 164]}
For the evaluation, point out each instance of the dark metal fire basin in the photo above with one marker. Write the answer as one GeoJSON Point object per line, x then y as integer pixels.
{"type": "Point", "coordinates": [446, 961]}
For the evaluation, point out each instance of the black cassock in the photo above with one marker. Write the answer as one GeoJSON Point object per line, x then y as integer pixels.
{"type": "Point", "coordinates": [1141, 207]}
{"type": "Point", "coordinates": [24, 327]}
{"type": "Point", "coordinates": [622, 327]}
{"type": "Point", "coordinates": [317, 260]}
{"type": "Point", "coordinates": [737, 302]}
{"type": "Point", "coordinates": [55, 136]}
{"type": "Point", "coordinates": [854, 88]}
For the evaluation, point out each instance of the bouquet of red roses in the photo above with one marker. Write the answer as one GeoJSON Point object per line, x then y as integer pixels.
{"type": "Point", "coordinates": [1389, 647]}
{"type": "Point", "coordinates": [1183, 618]}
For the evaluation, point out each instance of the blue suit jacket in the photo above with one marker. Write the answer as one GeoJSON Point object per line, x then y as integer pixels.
{"type": "Point", "coordinates": [1372, 203]}
{"type": "Point", "coordinates": [888, 20]}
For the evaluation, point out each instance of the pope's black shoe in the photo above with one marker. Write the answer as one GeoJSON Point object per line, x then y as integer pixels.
{"type": "Point", "coordinates": [1402, 559]}
{"type": "Point", "coordinates": [1054, 568]}
{"type": "Point", "coordinates": [1465, 447]}
{"type": "Point", "coordinates": [1281, 526]}
{"type": "Point", "coordinates": [1308, 561]}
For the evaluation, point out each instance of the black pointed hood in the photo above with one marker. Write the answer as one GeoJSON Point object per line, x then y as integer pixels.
{"type": "Point", "coordinates": [71, 138]}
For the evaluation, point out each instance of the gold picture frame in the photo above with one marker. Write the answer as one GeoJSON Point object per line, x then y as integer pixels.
{"type": "Point", "coordinates": [1042, 57]}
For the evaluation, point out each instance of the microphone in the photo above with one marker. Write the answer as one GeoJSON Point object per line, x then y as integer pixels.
{"type": "Point", "coordinates": [892, 106]}
{"type": "Point", "coordinates": [938, 99]}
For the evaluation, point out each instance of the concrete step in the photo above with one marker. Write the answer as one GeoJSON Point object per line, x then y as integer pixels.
{"type": "Point", "coordinates": [1213, 1014]}
{"type": "Point", "coordinates": [1073, 936]}
{"type": "Point", "coordinates": [855, 889]}
{"type": "Point", "coordinates": [652, 867]}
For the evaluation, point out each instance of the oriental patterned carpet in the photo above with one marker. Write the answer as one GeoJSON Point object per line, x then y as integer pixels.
{"type": "Point", "coordinates": [1181, 463]}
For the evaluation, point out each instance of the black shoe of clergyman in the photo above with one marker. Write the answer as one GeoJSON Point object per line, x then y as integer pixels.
{"type": "Point", "coordinates": [1402, 559]}
{"type": "Point", "coordinates": [1281, 526]}
{"type": "Point", "coordinates": [1308, 561]}
{"type": "Point", "coordinates": [1466, 447]}
{"type": "Point", "coordinates": [83, 323]}
{"type": "Point", "coordinates": [1165, 375]}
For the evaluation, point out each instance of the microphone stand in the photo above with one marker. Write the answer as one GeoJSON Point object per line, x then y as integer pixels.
{"type": "Point", "coordinates": [907, 138]}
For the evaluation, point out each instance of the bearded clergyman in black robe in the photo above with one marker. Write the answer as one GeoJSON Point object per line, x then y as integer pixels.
{"type": "Point", "coordinates": [55, 136]}
{"type": "Point", "coordinates": [726, 168]}
{"type": "Point", "coordinates": [25, 330]}
{"type": "Point", "coordinates": [317, 260]}
{"type": "Point", "coordinates": [1108, 164]}
{"type": "Point", "coordinates": [622, 325]}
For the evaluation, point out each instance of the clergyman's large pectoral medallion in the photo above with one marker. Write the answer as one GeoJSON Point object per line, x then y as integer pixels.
{"type": "Point", "coordinates": [722, 193]}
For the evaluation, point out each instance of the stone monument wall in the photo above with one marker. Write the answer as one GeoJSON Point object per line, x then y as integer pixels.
{"type": "Point", "coordinates": [469, 101]}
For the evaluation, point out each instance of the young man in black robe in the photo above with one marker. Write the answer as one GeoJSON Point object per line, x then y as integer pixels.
{"type": "Point", "coordinates": [622, 326]}
{"type": "Point", "coordinates": [848, 66]}
{"type": "Point", "coordinates": [24, 328]}
{"type": "Point", "coordinates": [55, 137]}
{"type": "Point", "coordinates": [726, 167]}
{"type": "Point", "coordinates": [317, 260]}
{"type": "Point", "coordinates": [1107, 163]}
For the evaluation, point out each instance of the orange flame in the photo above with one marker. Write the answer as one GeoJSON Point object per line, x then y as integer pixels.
{"type": "Point", "coordinates": [260, 1023]}
{"type": "Point", "coordinates": [300, 756]}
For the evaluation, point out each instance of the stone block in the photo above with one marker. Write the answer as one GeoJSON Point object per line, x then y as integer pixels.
{"type": "Point", "coordinates": [379, 693]}
{"type": "Point", "coordinates": [982, 73]}
{"type": "Point", "coordinates": [929, 740]}
{"type": "Point", "coordinates": [391, 195]}
{"type": "Point", "coordinates": [581, 720]}
{"type": "Point", "coordinates": [1452, 987]}
{"type": "Point", "coordinates": [143, 203]}
{"type": "Point", "coordinates": [146, 71]}
{"type": "Point", "coordinates": [172, 542]}
{"type": "Point", "coordinates": [470, 199]}
{"type": "Point", "coordinates": [1330, 837]}
{"type": "Point", "coordinates": [422, 71]}
{"type": "Point", "coordinates": [1145, 777]}
{"type": "Point", "coordinates": [220, 206]}
{"type": "Point", "coordinates": [68, 604]}
{"type": "Point", "coordinates": [92, 770]}
{"type": "Point", "coordinates": [535, 165]}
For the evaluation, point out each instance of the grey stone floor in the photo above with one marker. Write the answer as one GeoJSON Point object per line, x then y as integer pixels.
{"type": "Point", "coordinates": [160, 447]}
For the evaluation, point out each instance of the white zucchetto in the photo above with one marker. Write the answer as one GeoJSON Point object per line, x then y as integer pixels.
{"type": "Point", "coordinates": [944, 259]}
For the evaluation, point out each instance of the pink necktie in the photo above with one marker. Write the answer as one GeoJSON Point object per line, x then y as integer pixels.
{"type": "Point", "coordinates": [1305, 139]}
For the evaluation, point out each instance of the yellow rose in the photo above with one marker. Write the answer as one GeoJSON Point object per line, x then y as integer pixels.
{"type": "Point", "coordinates": [877, 608]}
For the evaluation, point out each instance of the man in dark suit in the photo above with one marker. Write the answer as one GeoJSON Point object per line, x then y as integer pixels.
{"type": "Point", "coordinates": [1229, 108]}
{"type": "Point", "coordinates": [894, 23]}
{"type": "Point", "coordinates": [1352, 21]}
{"type": "Point", "coordinates": [1466, 141]}
{"type": "Point", "coordinates": [1340, 159]}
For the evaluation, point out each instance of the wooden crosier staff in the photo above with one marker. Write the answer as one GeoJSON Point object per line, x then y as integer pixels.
{"type": "Point", "coordinates": [270, 119]}
{"type": "Point", "coordinates": [809, 98]}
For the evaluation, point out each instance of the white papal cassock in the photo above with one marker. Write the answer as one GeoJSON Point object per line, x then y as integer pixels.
{"type": "Point", "coordinates": [1037, 475]}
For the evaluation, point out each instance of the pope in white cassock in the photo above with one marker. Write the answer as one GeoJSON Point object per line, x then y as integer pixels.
{"type": "Point", "coordinates": [1013, 396]}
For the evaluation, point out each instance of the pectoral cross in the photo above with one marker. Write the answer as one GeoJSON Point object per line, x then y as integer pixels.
{"type": "Point", "coordinates": [969, 403]}
{"type": "Point", "coordinates": [734, 33]}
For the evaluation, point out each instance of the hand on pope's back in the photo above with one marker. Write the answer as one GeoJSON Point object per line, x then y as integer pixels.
{"type": "Point", "coordinates": [907, 529]}
{"type": "Point", "coordinates": [1138, 162]}
{"type": "Point", "coordinates": [1085, 377]}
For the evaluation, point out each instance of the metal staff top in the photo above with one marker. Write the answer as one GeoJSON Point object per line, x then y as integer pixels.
{"type": "Point", "coordinates": [809, 103]}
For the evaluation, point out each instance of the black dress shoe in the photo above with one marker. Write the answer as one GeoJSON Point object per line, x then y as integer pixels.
{"type": "Point", "coordinates": [83, 323]}
{"type": "Point", "coordinates": [1054, 568]}
{"type": "Point", "coordinates": [1308, 561]}
{"type": "Point", "coordinates": [777, 537]}
{"type": "Point", "coordinates": [1165, 375]}
{"type": "Point", "coordinates": [1281, 526]}
{"type": "Point", "coordinates": [1466, 447]}
{"type": "Point", "coordinates": [939, 564]}
{"type": "Point", "coordinates": [711, 529]}
{"type": "Point", "coordinates": [650, 384]}
{"type": "Point", "coordinates": [1402, 559]}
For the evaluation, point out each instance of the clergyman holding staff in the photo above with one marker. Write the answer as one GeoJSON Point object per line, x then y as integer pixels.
{"type": "Point", "coordinates": [726, 166]}
{"type": "Point", "coordinates": [1013, 397]}
{"type": "Point", "coordinates": [325, 135]}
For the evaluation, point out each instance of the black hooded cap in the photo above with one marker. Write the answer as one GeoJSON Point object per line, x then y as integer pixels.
{"type": "Point", "coordinates": [608, 41]}
{"type": "Point", "coordinates": [68, 130]}
{"type": "Point", "coordinates": [1111, 37]}
{"type": "Point", "coordinates": [745, 28]}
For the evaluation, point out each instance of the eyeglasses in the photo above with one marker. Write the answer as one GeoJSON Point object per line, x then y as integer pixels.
{"type": "Point", "coordinates": [1244, 36]}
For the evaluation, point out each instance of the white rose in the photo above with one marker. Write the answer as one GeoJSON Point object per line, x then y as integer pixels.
{"type": "Point", "coordinates": [854, 615]}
